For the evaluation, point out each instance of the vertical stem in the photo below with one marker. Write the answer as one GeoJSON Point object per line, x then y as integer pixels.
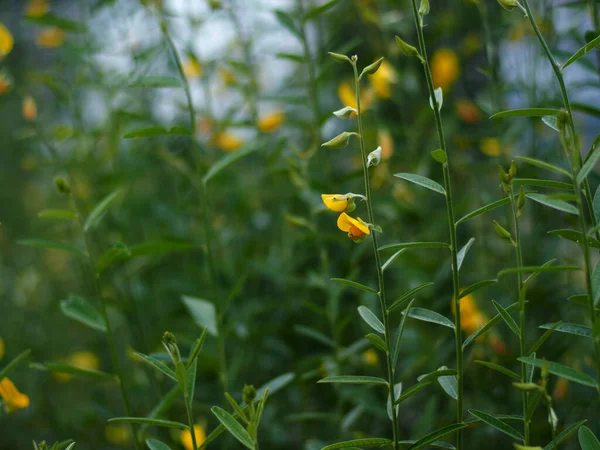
{"type": "Point", "coordinates": [522, 340]}
{"type": "Point", "coordinates": [381, 294]}
{"type": "Point", "coordinates": [451, 225]}
{"type": "Point", "coordinates": [575, 167]}
{"type": "Point", "coordinates": [190, 416]}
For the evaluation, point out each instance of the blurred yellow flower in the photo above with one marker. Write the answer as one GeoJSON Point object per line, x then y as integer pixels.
{"type": "Point", "coordinates": [490, 147]}
{"type": "Point", "coordinates": [357, 230]}
{"type": "Point", "coordinates": [403, 194]}
{"type": "Point", "coordinates": [560, 390]}
{"type": "Point", "coordinates": [82, 360]}
{"type": "Point", "coordinates": [228, 77]}
{"type": "Point", "coordinates": [347, 96]}
{"type": "Point", "coordinates": [467, 111]}
{"type": "Point", "coordinates": [186, 437]}
{"type": "Point", "coordinates": [37, 8]}
{"type": "Point", "coordinates": [335, 202]}
{"type": "Point", "coordinates": [29, 108]}
{"type": "Point", "coordinates": [6, 41]}
{"type": "Point", "coordinates": [5, 83]}
{"type": "Point", "coordinates": [117, 434]}
{"type": "Point", "coordinates": [204, 125]}
{"type": "Point", "coordinates": [382, 80]}
{"type": "Point", "coordinates": [12, 398]}
{"type": "Point", "coordinates": [472, 319]}
{"type": "Point", "coordinates": [192, 69]}
{"type": "Point", "coordinates": [471, 44]}
{"type": "Point", "coordinates": [50, 37]}
{"type": "Point", "coordinates": [1, 347]}
{"type": "Point", "coordinates": [227, 141]}
{"type": "Point", "coordinates": [370, 357]}
{"type": "Point", "coordinates": [271, 122]}
{"type": "Point", "coordinates": [386, 142]}
{"type": "Point", "coordinates": [444, 68]}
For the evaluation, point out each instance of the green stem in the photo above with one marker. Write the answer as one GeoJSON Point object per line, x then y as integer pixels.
{"type": "Point", "coordinates": [188, 408]}
{"type": "Point", "coordinates": [391, 371]}
{"type": "Point", "coordinates": [202, 193]}
{"type": "Point", "coordinates": [522, 338]}
{"type": "Point", "coordinates": [575, 167]}
{"type": "Point", "coordinates": [451, 225]}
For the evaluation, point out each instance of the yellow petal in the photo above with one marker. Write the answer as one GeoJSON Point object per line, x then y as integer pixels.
{"type": "Point", "coordinates": [29, 108]}
{"type": "Point", "coordinates": [335, 202]}
{"type": "Point", "coordinates": [355, 228]}
{"type": "Point", "coordinates": [383, 79]}
{"type": "Point", "coordinates": [271, 122]}
{"type": "Point", "coordinates": [37, 8]}
{"type": "Point", "coordinates": [192, 69]}
{"type": "Point", "coordinates": [227, 142]}
{"type": "Point", "coordinates": [490, 147]}
{"type": "Point", "coordinates": [84, 360]}
{"type": "Point", "coordinates": [117, 434]}
{"type": "Point", "coordinates": [50, 37]}
{"type": "Point", "coordinates": [444, 68]}
{"type": "Point", "coordinates": [13, 399]}
{"type": "Point", "coordinates": [186, 437]}
{"type": "Point", "coordinates": [6, 41]}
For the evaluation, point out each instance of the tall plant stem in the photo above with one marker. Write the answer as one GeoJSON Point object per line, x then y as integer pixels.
{"type": "Point", "coordinates": [202, 193]}
{"type": "Point", "coordinates": [575, 167]}
{"type": "Point", "coordinates": [451, 225]}
{"type": "Point", "coordinates": [91, 263]}
{"type": "Point", "coordinates": [391, 370]}
{"type": "Point", "coordinates": [522, 339]}
{"type": "Point", "coordinates": [188, 408]}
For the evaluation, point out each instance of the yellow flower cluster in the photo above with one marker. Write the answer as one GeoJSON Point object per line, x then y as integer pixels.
{"type": "Point", "coordinates": [11, 397]}
{"type": "Point", "coordinates": [341, 203]}
{"type": "Point", "coordinates": [472, 319]}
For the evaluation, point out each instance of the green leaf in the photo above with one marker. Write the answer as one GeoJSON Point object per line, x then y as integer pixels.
{"type": "Point", "coordinates": [161, 366]}
{"type": "Point", "coordinates": [52, 20]}
{"type": "Point", "coordinates": [392, 258]}
{"type": "Point", "coordinates": [233, 426]}
{"type": "Point", "coordinates": [476, 286]}
{"type": "Point", "coordinates": [552, 203]}
{"type": "Point", "coordinates": [569, 328]}
{"type": "Point", "coordinates": [526, 112]}
{"type": "Point", "coordinates": [449, 384]}
{"type": "Point", "coordinates": [463, 252]}
{"type": "Point", "coordinates": [79, 309]}
{"type": "Point", "coordinates": [436, 444]}
{"type": "Point", "coordinates": [371, 319]}
{"type": "Point", "coordinates": [426, 315]}
{"type": "Point", "coordinates": [55, 367]}
{"type": "Point", "coordinates": [537, 269]}
{"type": "Point", "coordinates": [561, 370]}
{"type": "Point", "coordinates": [14, 363]}
{"type": "Point", "coordinates": [155, 130]}
{"type": "Point", "coordinates": [44, 243]}
{"type": "Point", "coordinates": [587, 440]}
{"type": "Point", "coordinates": [441, 372]}
{"type": "Point", "coordinates": [412, 391]}
{"type": "Point", "coordinates": [544, 165]}
{"type": "Point", "coordinates": [151, 422]}
{"type": "Point", "coordinates": [160, 81]}
{"type": "Point", "coordinates": [366, 442]}
{"type": "Point", "coordinates": [579, 299]}
{"type": "Point", "coordinates": [422, 181]}
{"type": "Point", "coordinates": [203, 312]}
{"type": "Point", "coordinates": [590, 161]}
{"type": "Point", "coordinates": [575, 236]}
{"type": "Point", "coordinates": [355, 285]}
{"type": "Point", "coordinates": [288, 22]}
{"type": "Point", "coordinates": [564, 435]}
{"type": "Point", "coordinates": [507, 318]}
{"type": "Point", "coordinates": [596, 283]}
{"type": "Point", "coordinates": [155, 444]}
{"type": "Point", "coordinates": [276, 384]}
{"type": "Point", "coordinates": [541, 183]}
{"type": "Point", "coordinates": [63, 214]}
{"type": "Point", "coordinates": [414, 245]}
{"type": "Point", "coordinates": [426, 440]}
{"type": "Point", "coordinates": [538, 343]}
{"type": "Point", "coordinates": [497, 424]}
{"type": "Point", "coordinates": [582, 51]}
{"type": "Point", "coordinates": [551, 121]}
{"type": "Point", "coordinates": [300, 59]}
{"type": "Point", "coordinates": [397, 342]}
{"type": "Point", "coordinates": [228, 160]}
{"type": "Point", "coordinates": [315, 12]}
{"type": "Point", "coordinates": [353, 379]}
{"type": "Point", "coordinates": [314, 334]}
{"type": "Point", "coordinates": [100, 209]}
{"type": "Point", "coordinates": [408, 295]}
{"type": "Point", "coordinates": [483, 210]}
{"type": "Point", "coordinates": [197, 348]}
{"type": "Point", "coordinates": [377, 342]}
{"type": "Point", "coordinates": [497, 318]}
{"type": "Point", "coordinates": [499, 368]}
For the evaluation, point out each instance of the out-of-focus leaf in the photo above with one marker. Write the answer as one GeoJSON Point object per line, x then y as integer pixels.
{"type": "Point", "coordinates": [228, 160]}
{"type": "Point", "coordinates": [203, 312]}
{"type": "Point", "coordinates": [582, 51]}
{"type": "Point", "coordinates": [431, 437]}
{"type": "Point", "coordinates": [55, 367]}
{"type": "Point", "coordinates": [157, 81]}
{"type": "Point", "coordinates": [63, 214]}
{"type": "Point", "coordinates": [52, 20]}
{"type": "Point", "coordinates": [79, 309]}
{"type": "Point", "coordinates": [99, 210]}
{"type": "Point", "coordinates": [353, 379]}
{"type": "Point", "coordinates": [45, 243]}
{"type": "Point", "coordinates": [426, 315]}
{"type": "Point", "coordinates": [561, 370]}
{"type": "Point", "coordinates": [526, 112]}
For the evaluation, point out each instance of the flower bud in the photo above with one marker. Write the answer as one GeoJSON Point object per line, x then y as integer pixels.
{"type": "Point", "coordinates": [512, 170]}
{"type": "Point", "coordinates": [423, 10]}
{"type": "Point", "coordinates": [503, 233]}
{"type": "Point", "coordinates": [249, 394]}
{"type": "Point", "coordinates": [408, 49]}
{"type": "Point", "coordinates": [374, 157]}
{"type": "Point", "coordinates": [509, 5]}
{"type": "Point", "coordinates": [345, 113]}
{"type": "Point", "coordinates": [340, 141]}
{"type": "Point", "coordinates": [521, 201]}
{"type": "Point", "coordinates": [527, 387]}
{"type": "Point", "coordinates": [62, 185]}
{"type": "Point", "coordinates": [339, 58]}
{"type": "Point", "coordinates": [170, 344]}
{"type": "Point", "coordinates": [371, 68]}
{"type": "Point", "coordinates": [504, 178]}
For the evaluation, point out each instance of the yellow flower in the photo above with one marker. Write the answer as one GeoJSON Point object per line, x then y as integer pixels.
{"type": "Point", "coordinates": [347, 96]}
{"type": "Point", "coordinates": [29, 108]}
{"type": "Point", "coordinates": [270, 122]}
{"type": "Point", "coordinates": [370, 357]}
{"type": "Point", "coordinates": [6, 41]}
{"type": "Point", "coordinates": [117, 434]}
{"type": "Point", "coordinates": [227, 141]}
{"type": "Point", "coordinates": [82, 360]}
{"type": "Point", "coordinates": [472, 319]}
{"type": "Point", "coordinates": [228, 77]}
{"type": "Point", "coordinates": [383, 79]}
{"type": "Point", "coordinates": [357, 230]}
{"type": "Point", "coordinates": [37, 8]}
{"type": "Point", "coordinates": [50, 37]}
{"type": "Point", "coordinates": [1, 347]}
{"type": "Point", "coordinates": [444, 68]}
{"type": "Point", "coordinates": [338, 202]}
{"type": "Point", "coordinates": [386, 142]}
{"type": "Point", "coordinates": [12, 398]}
{"type": "Point", "coordinates": [490, 147]}
{"type": "Point", "coordinates": [192, 69]}
{"type": "Point", "coordinates": [467, 111]}
{"type": "Point", "coordinates": [186, 437]}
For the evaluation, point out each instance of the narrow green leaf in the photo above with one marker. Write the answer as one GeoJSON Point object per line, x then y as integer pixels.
{"type": "Point", "coordinates": [561, 370]}
{"type": "Point", "coordinates": [422, 181]}
{"type": "Point", "coordinates": [412, 391]}
{"type": "Point", "coordinates": [355, 285]}
{"type": "Point", "coordinates": [52, 20]}
{"type": "Point", "coordinates": [497, 424]}
{"type": "Point", "coordinates": [367, 442]}
{"type": "Point", "coordinates": [203, 312]}
{"type": "Point", "coordinates": [426, 315]}
{"type": "Point", "coordinates": [392, 258]}
{"type": "Point", "coordinates": [159, 81]}
{"type": "Point", "coordinates": [499, 368]}
{"type": "Point", "coordinates": [288, 22]}
{"type": "Point", "coordinates": [552, 203]}
{"type": "Point", "coordinates": [228, 160]}
{"type": "Point", "coordinates": [538, 343]}
{"type": "Point", "coordinates": [151, 422]}
{"type": "Point", "coordinates": [100, 209]}
{"type": "Point", "coordinates": [79, 309]}
{"type": "Point", "coordinates": [579, 299]}
{"type": "Point", "coordinates": [233, 426]}
{"type": "Point", "coordinates": [526, 112]}
{"type": "Point", "coordinates": [567, 432]}
{"type": "Point", "coordinates": [353, 379]}
{"type": "Point", "coordinates": [533, 276]}
{"type": "Point", "coordinates": [575, 236]}
{"type": "Point", "coordinates": [159, 365]}
{"type": "Point", "coordinates": [377, 341]}
{"type": "Point", "coordinates": [63, 214]}
{"type": "Point", "coordinates": [569, 328]}
{"type": "Point", "coordinates": [590, 162]}
{"type": "Point", "coordinates": [537, 269]}
{"type": "Point", "coordinates": [483, 210]}
{"type": "Point", "coordinates": [542, 183]}
{"type": "Point", "coordinates": [14, 363]}
{"type": "Point", "coordinates": [414, 245]}
{"type": "Point", "coordinates": [426, 440]}
{"type": "Point", "coordinates": [55, 367]}
{"type": "Point", "coordinates": [587, 440]}
{"type": "Point", "coordinates": [596, 283]}
{"type": "Point", "coordinates": [371, 319]}
{"type": "Point", "coordinates": [544, 165]}
{"type": "Point", "coordinates": [315, 12]}
{"type": "Point", "coordinates": [582, 51]}
{"type": "Point", "coordinates": [314, 334]}
{"type": "Point", "coordinates": [300, 59]}
{"type": "Point", "coordinates": [155, 444]}
{"type": "Point", "coordinates": [507, 318]}
{"type": "Point", "coordinates": [497, 318]}
{"type": "Point", "coordinates": [399, 333]}
{"type": "Point", "coordinates": [408, 295]}
{"type": "Point", "coordinates": [197, 348]}
{"type": "Point", "coordinates": [45, 243]}
{"type": "Point", "coordinates": [441, 372]}
{"type": "Point", "coordinates": [463, 252]}
{"type": "Point", "coordinates": [476, 286]}
{"type": "Point", "coordinates": [435, 444]}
